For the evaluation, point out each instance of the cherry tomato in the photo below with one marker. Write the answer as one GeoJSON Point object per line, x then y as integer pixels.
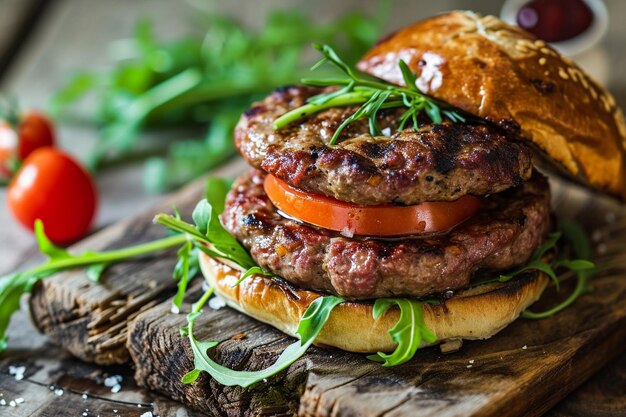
{"type": "Point", "coordinates": [52, 187]}
{"type": "Point", "coordinates": [381, 220]}
{"type": "Point", "coordinates": [31, 131]}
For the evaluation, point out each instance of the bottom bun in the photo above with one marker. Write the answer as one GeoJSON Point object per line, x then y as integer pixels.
{"type": "Point", "coordinates": [475, 313]}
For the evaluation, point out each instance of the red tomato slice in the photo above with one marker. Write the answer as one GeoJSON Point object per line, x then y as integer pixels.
{"type": "Point", "coordinates": [381, 220]}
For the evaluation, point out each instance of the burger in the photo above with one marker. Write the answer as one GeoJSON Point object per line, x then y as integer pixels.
{"type": "Point", "coordinates": [424, 192]}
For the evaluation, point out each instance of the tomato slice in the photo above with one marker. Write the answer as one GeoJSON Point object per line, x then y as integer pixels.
{"type": "Point", "coordinates": [381, 220]}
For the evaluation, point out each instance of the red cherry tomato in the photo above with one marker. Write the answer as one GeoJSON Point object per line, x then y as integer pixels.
{"type": "Point", "coordinates": [33, 130]}
{"type": "Point", "coordinates": [52, 187]}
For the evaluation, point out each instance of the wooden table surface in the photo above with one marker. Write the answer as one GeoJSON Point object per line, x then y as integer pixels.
{"type": "Point", "coordinates": [41, 42]}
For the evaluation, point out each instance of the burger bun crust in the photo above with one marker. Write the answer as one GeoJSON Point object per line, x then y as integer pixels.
{"type": "Point", "coordinates": [507, 76]}
{"type": "Point", "coordinates": [475, 313]}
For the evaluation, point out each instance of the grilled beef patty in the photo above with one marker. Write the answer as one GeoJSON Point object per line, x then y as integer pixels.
{"type": "Point", "coordinates": [504, 234]}
{"type": "Point", "coordinates": [439, 162]}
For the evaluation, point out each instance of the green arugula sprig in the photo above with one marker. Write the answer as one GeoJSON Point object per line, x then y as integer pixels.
{"type": "Point", "coordinates": [207, 235]}
{"type": "Point", "coordinates": [371, 94]}
{"type": "Point", "coordinates": [547, 260]}
{"type": "Point", "coordinates": [539, 262]}
{"type": "Point", "coordinates": [208, 76]}
{"type": "Point", "coordinates": [576, 239]}
{"type": "Point", "coordinates": [12, 287]}
{"type": "Point", "coordinates": [311, 324]}
{"type": "Point", "coordinates": [410, 332]}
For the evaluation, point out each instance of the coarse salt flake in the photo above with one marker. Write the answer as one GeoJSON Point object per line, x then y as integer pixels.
{"type": "Point", "coordinates": [525, 347]}
{"type": "Point", "coordinates": [112, 380]}
{"type": "Point", "coordinates": [17, 372]}
{"type": "Point", "coordinates": [216, 303]}
{"type": "Point", "coordinates": [58, 392]}
{"type": "Point", "coordinates": [19, 400]}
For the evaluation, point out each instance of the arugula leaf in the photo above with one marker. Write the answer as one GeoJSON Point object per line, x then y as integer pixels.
{"type": "Point", "coordinates": [12, 287]}
{"type": "Point", "coordinates": [410, 331]}
{"type": "Point", "coordinates": [216, 242]}
{"type": "Point", "coordinates": [577, 239]}
{"type": "Point", "coordinates": [148, 84]}
{"type": "Point", "coordinates": [309, 328]}
{"type": "Point", "coordinates": [94, 272]}
{"type": "Point", "coordinates": [182, 272]}
{"type": "Point", "coordinates": [255, 270]}
{"type": "Point", "coordinates": [209, 236]}
{"type": "Point", "coordinates": [315, 316]}
{"type": "Point", "coordinates": [215, 192]}
{"type": "Point", "coordinates": [537, 262]}
{"type": "Point", "coordinates": [46, 246]}
{"type": "Point", "coordinates": [371, 94]}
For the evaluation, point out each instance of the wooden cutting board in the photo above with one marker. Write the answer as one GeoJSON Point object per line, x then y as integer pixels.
{"type": "Point", "coordinates": [522, 371]}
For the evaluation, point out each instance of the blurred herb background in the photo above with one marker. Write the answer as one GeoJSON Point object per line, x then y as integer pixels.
{"type": "Point", "coordinates": [204, 79]}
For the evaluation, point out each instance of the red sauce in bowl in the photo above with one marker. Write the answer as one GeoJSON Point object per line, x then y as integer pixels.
{"type": "Point", "coordinates": [555, 20]}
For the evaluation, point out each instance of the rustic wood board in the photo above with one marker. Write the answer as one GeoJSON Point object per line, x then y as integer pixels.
{"type": "Point", "coordinates": [524, 370]}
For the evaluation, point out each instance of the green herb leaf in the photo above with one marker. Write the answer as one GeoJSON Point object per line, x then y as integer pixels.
{"type": "Point", "coordinates": [182, 273]}
{"type": "Point", "coordinates": [12, 287]}
{"type": "Point", "coordinates": [409, 76]}
{"type": "Point", "coordinates": [148, 84]}
{"type": "Point", "coordinates": [371, 94]}
{"type": "Point", "coordinates": [311, 324]}
{"type": "Point", "coordinates": [94, 272]}
{"type": "Point", "coordinates": [190, 377]}
{"type": "Point", "coordinates": [46, 246]}
{"type": "Point", "coordinates": [202, 216]}
{"type": "Point", "coordinates": [410, 332]}
{"type": "Point", "coordinates": [255, 270]}
{"type": "Point", "coordinates": [215, 192]}
{"type": "Point", "coordinates": [208, 234]}
{"type": "Point", "coordinates": [577, 239]}
{"type": "Point", "coordinates": [315, 316]}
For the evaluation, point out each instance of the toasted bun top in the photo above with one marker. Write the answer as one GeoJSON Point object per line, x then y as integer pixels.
{"type": "Point", "coordinates": [506, 75]}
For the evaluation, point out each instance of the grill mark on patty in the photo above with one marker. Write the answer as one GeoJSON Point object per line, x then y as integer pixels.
{"type": "Point", "coordinates": [503, 235]}
{"type": "Point", "coordinates": [459, 158]}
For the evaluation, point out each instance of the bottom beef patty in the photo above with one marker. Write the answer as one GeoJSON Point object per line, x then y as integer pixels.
{"type": "Point", "coordinates": [504, 234]}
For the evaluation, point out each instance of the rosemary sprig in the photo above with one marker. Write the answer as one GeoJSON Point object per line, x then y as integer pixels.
{"type": "Point", "coordinates": [372, 95]}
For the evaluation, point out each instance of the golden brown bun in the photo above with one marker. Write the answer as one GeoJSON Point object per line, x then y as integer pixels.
{"type": "Point", "coordinates": [477, 313]}
{"type": "Point", "coordinates": [503, 74]}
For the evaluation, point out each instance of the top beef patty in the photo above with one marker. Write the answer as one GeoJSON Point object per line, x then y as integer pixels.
{"type": "Point", "coordinates": [439, 162]}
